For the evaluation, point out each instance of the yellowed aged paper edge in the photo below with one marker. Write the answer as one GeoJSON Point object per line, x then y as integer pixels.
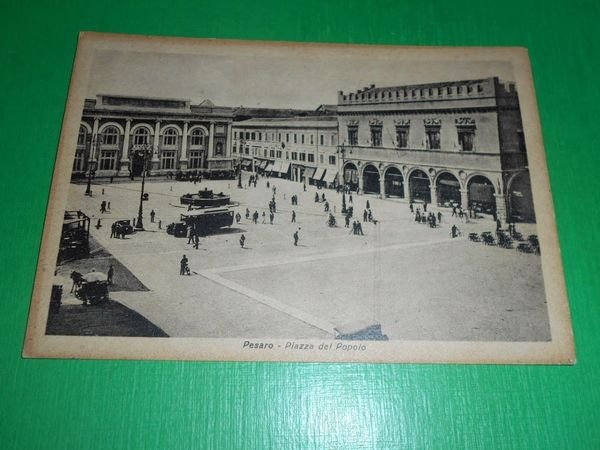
{"type": "Point", "coordinates": [558, 351]}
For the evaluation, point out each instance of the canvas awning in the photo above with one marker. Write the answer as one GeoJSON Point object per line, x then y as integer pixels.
{"type": "Point", "coordinates": [318, 174]}
{"type": "Point", "coordinates": [309, 172]}
{"type": "Point", "coordinates": [285, 166]}
{"type": "Point", "coordinates": [246, 163]}
{"type": "Point", "coordinates": [263, 164]}
{"type": "Point", "coordinates": [330, 175]}
{"type": "Point", "coordinates": [269, 167]}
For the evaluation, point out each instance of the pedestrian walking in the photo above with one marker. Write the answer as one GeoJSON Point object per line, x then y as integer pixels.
{"type": "Point", "coordinates": [412, 209]}
{"type": "Point", "coordinates": [152, 214]}
{"type": "Point", "coordinates": [109, 274]}
{"type": "Point", "coordinates": [98, 224]}
{"type": "Point", "coordinates": [247, 213]}
{"type": "Point", "coordinates": [359, 229]}
{"type": "Point", "coordinates": [370, 216]}
{"type": "Point", "coordinates": [368, 205]}
{"type": "Point", "coordinates": [365, 215]}
{"type": "Point", "coordinates": [439, 217]}
{"type": "Point", "coordinates": [296, 238]}
{"type": "Point", "coordinates": [271, 216]}
{"type": "Point", "coordinates": [454, 211]}
{"type": "Point", "coordinates": [196, 241]}
{"type": "Point", "coordinates": [347, 219]}
{"type": "Point", "coordinates": [108, 206]}
{"type": "Point", "coordinates": [454, 232]}
{"type": "Point", "coordinates": [350, 197]}
{"type": "Point", "coordinates": [238, 217]}
{"type": "Point", "coordinates": [424, 206]}
{"type": "Point", "coordinates": [293, 216]}
{"type": "Point", "coordinates": [113, 230]}
{"type": "Point", "coordinates": [183, 266]}
{"type": "Point", "coordinates": [264, 217]}
{"type": "Point", "coordinates": [326, 206]}
{"type": "Point", "coordinates": [190, 234]}
{"type": "Point", "coordinates": [242, 240]}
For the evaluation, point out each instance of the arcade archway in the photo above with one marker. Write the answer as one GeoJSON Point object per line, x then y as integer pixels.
{"type": "Point", "coordinates": [448, 190]}
{"type": "Point", "coordinates": [351, 175]}
{"type": "Point", "coordinates": [371, 179]}
{"type": "Point", "coordinates": [520, 199]}
{"type": "Point", "coordinates": [481, 195]}
{"type": "Point", "coordinates": [394, 183]}
{"type": "Point", "coordinates": [419, 186]}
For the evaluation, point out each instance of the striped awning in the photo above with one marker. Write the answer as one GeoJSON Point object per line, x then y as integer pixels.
{"type": "Point", "coordinates": [318, 174]}
{"type": "Point", "coordinates": [330, 175]}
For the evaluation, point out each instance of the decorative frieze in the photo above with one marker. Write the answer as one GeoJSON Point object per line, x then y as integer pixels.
{"type": "Point", "coordinates": [375, 123]}
{"type": "Point", "coordinates": [432, 122]}
{"type": "Point", "coordinates": [465, 122]}
{"type": "Point", "coordinates": [402, 123]}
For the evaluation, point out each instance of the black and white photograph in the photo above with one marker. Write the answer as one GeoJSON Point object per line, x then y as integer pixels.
{"type": "Point", "coordinates": [232, 200]}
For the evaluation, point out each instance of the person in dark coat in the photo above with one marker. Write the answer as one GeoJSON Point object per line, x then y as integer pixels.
{"type": "Point", "coordinates": [293, 216]}
{"type": "Point", "coordinates": [109, 274]}
{"type": "Point", "coordinates": [183, 265]}
{"type": "Point", "coordinates": [296, 238]}
{"type": "Point", "coordinates": [242, 240]}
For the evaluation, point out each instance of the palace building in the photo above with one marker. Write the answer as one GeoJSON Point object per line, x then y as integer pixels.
{"type": "Point", "coordinates": [118, 133]}
{"type": "Point", "coordinates": [451, 143]}
{"type": "Point", "coordinates": [302, 149]}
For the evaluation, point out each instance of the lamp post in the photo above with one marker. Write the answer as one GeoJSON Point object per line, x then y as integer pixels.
{"type": "Point", "coordinates": [342, 151]}
{"type": "Point", "coordinates": [93, 141]}
{"type": "Point", "coordinates": [142, 152]}
{"type": "Point", "coordinates": [241, 149]}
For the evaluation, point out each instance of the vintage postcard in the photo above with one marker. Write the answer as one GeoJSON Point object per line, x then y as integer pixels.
{"type": "Point", "coordinates": [232, 200]}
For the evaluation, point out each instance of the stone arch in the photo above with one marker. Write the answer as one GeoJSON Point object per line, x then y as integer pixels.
{"type": "Point", "coordinates": [520, 198]}
{"type": "Point", "coordinates": [148, 127]}
{"type": "Point", "coordinates": [481, 193]}
{"type": "Point", "coordinates": [87, 126]}
{"type": "Point", "coordinates": [196, 127]}
{"type": "Point", "coordinates": [419, 183]}
{"type": "Point", "coordinates": [171, 125]}
{"type": "Point", "coordinates": [447, 188]}
{"type": "Point", "coordinates": [351, 174]}
{"type": "Point", "coordinates": [393, 181]}
{"type": "Point", "coordinates": [118, 126]}
{"type": "Point", "coordinates": [371, 177]}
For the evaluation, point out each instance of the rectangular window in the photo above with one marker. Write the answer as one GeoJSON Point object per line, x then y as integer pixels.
{"type": "Point", "coordinates": [235, 134]}
{"type": "Point", "coordinates": [402, 137]}
{"type": "Point", "coordinates": [321, 159]}
{"type": "Point", "coordinates": [272, 153]}
{"type": "Point", "coordinates": [265, 152]}
{"type": "Point", "coordinates": [312, 140]}
{"type": "Point", "coordinates": [253, 136]}
{"type": "Point", "coordinates": [466, 139]}
{"type": "Point", "coordinates": [302, 138]}
{"type": "Point", "coordinates": [321, 139]}
{"type": "Point", "coordinates": [332, 140]}
{"type": "Point", "coordinates": [279, 154]}
{"type": "Point", "coordinates": [247, 150]}
{"type": "Point", "coordinates": [81, 139]}
{"type": "Point", "coordinates": [287, 137]}
{"type": "Point", "coordinates": [295, 138]}
{"type": "Point", "coordinates": [259, 136]}
{"type": "Point", "coordinates": [302, 156]}
{"type": "Point", "coordinates": [247, 135]}
{"type": "Point", "coordinates": [287, 155]}
{"type": "Point", "coordinates": [311, 157]}
{"type": "Point", "coordinates": [376, 136]}
{"type": "Point", "coordinates": [353, 135]}
{"type": "Point", "coordinates": [195, 161]}
{"type": "Point", "coordinates": [332, 159]}
{"type": "Point", "coordinates": [78, 162]}
{"type": "Point", "coordinates": [168, 159]}
{"type": "Point", "coordinates": [432, 138]}
{"type": "Point", "coordinates": [108, 159]}
{"type": "Point", "coordinates": [279, 137]}
{"type": "Point", "coordinates": [234, 149]}
{"type": "Point", "coordinates": [110, 139]}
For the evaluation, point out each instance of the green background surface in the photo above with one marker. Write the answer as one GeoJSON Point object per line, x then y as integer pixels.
{"type": "Point", "coordinates": [112, 404]}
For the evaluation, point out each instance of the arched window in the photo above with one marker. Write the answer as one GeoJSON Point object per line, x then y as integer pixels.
{"type": "Point", "coordinates": [82, 136]}
{"type": "Point", "coordinates": [197, 138]}
{"type": "Point", "coordinates": [170, 137]}
{"type": "Point", "coordinates": [141, 136]}
{"type": "Point", "coordinates": [219, 149]}
{"type": "Point", "coordinates": [110, 136]}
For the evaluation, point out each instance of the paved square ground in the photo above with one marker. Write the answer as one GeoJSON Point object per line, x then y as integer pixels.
{"type": "Point", "coordinates": [417, 282]}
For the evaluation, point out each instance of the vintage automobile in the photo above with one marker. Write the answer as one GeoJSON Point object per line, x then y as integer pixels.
{"type": "Point", "coordinates": [124, 226]}
{"type": "Point", "coordinates": [178, 229]}
{"type": "Point", "coordinates": [206, 220]}
{"type": "Point", "coordinates": [93, 288]}
{"type": "Point", "coordinates": [205, 199]}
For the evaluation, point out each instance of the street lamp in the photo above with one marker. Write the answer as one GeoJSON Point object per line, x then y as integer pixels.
{"type": "Point", "coordinates": [93, 141]}
{"type": "Point", "coordinates": [241, 149]}
{"type": "Point", "coordinates": [142, 152]}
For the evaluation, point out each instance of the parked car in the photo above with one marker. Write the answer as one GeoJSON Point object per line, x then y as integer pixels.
{"type": "Point", "coordinates": [178, 229]}
{"type": "Point", "coordinates": [124, 226]}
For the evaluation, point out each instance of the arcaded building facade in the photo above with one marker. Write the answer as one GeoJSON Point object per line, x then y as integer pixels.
{"type": "Point", "coordinates": [174, 135]}
{"type": "Point", "coordinates": [451, 143]}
